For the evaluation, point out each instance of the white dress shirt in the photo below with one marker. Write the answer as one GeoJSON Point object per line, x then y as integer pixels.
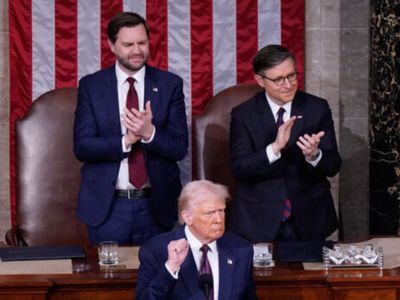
{"type": "Point", "coordinates": [123, 87]}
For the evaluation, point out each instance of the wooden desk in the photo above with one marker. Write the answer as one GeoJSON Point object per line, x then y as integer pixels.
{"type": "Point", "coordinates": [90, 282]}
{"type": "Point", "coordinates": [290, 281]}
{"type": "Point", "coordinates": [283, 282]}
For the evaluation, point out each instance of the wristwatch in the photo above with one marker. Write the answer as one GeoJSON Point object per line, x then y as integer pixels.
{"type": "Point", "coordinates": [315, 155]}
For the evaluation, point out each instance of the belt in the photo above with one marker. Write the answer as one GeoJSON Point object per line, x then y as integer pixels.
{"type": "Point", "coordinates": [134, 193]}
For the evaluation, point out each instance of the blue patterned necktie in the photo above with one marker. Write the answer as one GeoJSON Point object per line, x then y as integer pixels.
{"type": "Point", "coordinates": [287, 209]}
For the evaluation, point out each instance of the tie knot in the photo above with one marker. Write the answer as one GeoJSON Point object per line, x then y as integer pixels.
{"type": "Point", "coordinates": [205, 248]}
{"type": "Point", "coordinates": [279, 120]}
{"type": "Point", "coordinates": [281, 111]}
{"type": "Point", "coordinates": [131, 80]}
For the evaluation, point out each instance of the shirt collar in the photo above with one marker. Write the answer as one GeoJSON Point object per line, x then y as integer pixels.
{"type": "Point", "coordinates": [195, 244]}
{"type": "Point", "coordinates": [275, 107]}
{"type": "Point", "coordinates": [122, 76]}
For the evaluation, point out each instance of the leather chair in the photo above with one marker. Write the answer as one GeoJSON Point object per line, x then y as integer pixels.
{"type": "Point", "coordinates": [211, 130]}
{"type": "Point", "coordinates": [48, 174]}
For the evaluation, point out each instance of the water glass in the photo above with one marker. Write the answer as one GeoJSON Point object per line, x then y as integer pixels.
{"type": "Point", "coordinates": [262, 255]}
{"type": "Point", "coordinates": [108, 253]}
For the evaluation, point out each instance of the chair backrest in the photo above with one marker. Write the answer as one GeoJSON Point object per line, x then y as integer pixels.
{"type": "Point", "coordinates": [48, 174]}
{"type": "Point", "coordinates": [211, 130]}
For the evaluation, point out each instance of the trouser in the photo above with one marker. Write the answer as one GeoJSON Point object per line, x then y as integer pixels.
{"type": "Point", "coordinates": [130, 222]}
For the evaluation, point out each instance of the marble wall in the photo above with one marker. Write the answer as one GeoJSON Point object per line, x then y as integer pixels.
{"type": "Point", "coordinates": [337, 56]}
{"type": "Point", "coordinates": [354, 118]}
{"type": "Point", "coordinates": [385, 117]}
{"type": "Point", "coordinates": [336, 64]}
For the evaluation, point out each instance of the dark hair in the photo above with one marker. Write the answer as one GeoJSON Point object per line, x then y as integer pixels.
{"type": "Point", "coordinates": [124, 19]}
{"type": "Point", "coordinates": [271, 56]}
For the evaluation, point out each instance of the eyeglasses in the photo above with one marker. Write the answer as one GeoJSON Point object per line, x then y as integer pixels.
{"type": "Point", "coordinates": [281, 80]}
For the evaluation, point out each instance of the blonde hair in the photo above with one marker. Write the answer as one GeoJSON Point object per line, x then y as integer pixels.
{"type": "Point", "coordinates": [198, 191]}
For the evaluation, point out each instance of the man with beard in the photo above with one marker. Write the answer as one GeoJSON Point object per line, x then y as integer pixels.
{"type": "Point", "coordinates": [130, 130]}
{"type": "Point", "coordinates": [174, 265]}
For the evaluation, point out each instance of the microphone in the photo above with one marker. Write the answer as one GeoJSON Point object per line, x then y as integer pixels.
{"type": "Point", "coordinates": [206, 283]}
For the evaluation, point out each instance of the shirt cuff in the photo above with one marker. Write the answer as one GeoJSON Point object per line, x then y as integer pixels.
{"type": "Point", "coordinates": [124, 148]}
{"type": "Point", "coordinates": [272, 157]}
{"type": "Point", "coordinates": [170, 272]}
{"type": "Point", "coordinates": [151, 137]}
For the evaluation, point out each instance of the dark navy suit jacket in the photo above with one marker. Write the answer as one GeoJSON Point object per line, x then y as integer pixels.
{"type": "Point", "coordinates": [235, 270]}
{"type": "Point", "coordinates": [257, 205]}
{"type": "Point", "coordinates": [97, 143]}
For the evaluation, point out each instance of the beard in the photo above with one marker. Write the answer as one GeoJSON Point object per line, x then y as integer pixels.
{"type": "Point", "coordinates": [132, 67]}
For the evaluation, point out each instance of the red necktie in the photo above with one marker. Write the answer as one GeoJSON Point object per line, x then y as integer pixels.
{"type": "Point", "coordinates": [137, 168]}
{"type": "Point", "coordinates": [287, 209]}
{"type": "Point", "coordinates": [205, 267]}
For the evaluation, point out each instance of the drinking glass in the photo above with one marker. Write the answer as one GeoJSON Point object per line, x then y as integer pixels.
{"type": "Point", "coordinates": [262, 255]}
{"type": "Point", "coordinates": [108, 253]}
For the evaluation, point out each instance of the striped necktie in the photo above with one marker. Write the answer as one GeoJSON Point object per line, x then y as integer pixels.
{"type": "Point", "coordinates": [287, 209]}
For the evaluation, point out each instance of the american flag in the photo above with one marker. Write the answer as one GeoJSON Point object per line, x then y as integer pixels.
{"type": "Point", "coordinates": [209, 43]}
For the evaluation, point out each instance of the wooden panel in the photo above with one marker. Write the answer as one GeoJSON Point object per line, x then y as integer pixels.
{"type": "Point", "coordinates": [366, 294]}
{"type": "Point", "coordinates": [294, 293]}
{"type": "Point", "coordinates": [26, 287]}
{"type": "Point", "coordinates": [95, 294]}
{"type": "Point", "coordinates": [23, 296]}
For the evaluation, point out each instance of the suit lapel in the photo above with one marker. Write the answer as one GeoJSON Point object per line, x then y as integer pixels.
{"type": "Point", "coordinates": [110, 97]}
{"type": "Point", "coordinates": [265, 117]}
{"type": "Point", "coordinates": [152, 92]}
{"type": "Point", "coordinates": [188, 271]}
{"type": "Point", "coordinates": [298, 109]}
{"type": "Point", "coordinates": [226, 266]}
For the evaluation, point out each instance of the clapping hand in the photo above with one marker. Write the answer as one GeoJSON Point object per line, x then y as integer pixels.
{"type": "Point", "coordinates": [309, 144]}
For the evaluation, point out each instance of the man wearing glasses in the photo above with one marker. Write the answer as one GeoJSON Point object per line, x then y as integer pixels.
{"type": "Point", "coordinates": [283, 148]}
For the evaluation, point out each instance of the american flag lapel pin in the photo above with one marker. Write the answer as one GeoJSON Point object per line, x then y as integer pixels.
{"type": "Point", "coordinates": [230, 262]}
